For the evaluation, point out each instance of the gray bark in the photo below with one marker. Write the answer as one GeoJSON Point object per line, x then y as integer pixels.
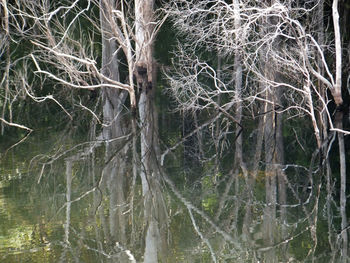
{"type": "Point", "coordinates": [325, 126]}
{"type": "Point", "coordinates": [336, 91]}
{"type": "Point", "coordinates": [154, 210]}
{"type": "Point", "coordinates": [6, 77]}
{"type": "Point", "coordinates": [113, 99]}
{"type": "Point", "coordinates": [270, 143]}
{"type": "Point", "coordinates": [116, 153]}
{"type": "Point", "coordinates": [145, 83]}
{"type": "Point", "coordinates": [342, 152]}
{"type": "Point", "coordinates": [270, 178]}
{"type": "Point", "coordinates": [69, 165]}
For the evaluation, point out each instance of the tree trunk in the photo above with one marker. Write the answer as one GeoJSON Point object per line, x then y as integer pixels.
{"type": "Point", "coordinates": [324, 126]}
{"type": "Point", "coordinates": [69, 171]}
{"type": "Point", "coordinates": [279, 160]}
{"type": "Point", "coordinates": [342, 153]}
{"type": "Point", "coordinates": [145, 72]}
{"type": "Point", "coordinates": [6, 77]}
{"type": "Point", "coordinates": [145, 84]}
{"type": "Point", "coordinates": [270, 176]}
{"type": "Point", "coordinates": [271, 149]}
{"type": "Point", "coordinates": [336, 92]}
{"type": "Point", "coordinates": [113, 100]}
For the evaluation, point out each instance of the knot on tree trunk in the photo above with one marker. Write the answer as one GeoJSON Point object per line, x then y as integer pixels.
{"type": "Point", "coordinates": [338, 98]}
{"type": "Point", "coordinates": [143, 77]}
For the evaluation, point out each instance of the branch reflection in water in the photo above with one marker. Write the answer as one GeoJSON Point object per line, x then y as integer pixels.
{"type": "Point", "coordinates": [89, 207]}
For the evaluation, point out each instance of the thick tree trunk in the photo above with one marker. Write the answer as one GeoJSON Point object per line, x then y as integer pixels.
{"type": "Point", "coordinates": [271, 140]}
{"type": "Point", "coordinates": [145, 72]}
{"type": "Point", "coordinates": [324, 126]}
{"type": "Point", "coordinates": [337, 94]}
{"type": "Point", "coordinates": [145, 84]}
{"type": "Point", "coordinates": [113, 101]}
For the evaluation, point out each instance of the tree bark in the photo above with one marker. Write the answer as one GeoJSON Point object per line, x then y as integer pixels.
{"type": "Point", "coordinates": [270, 172]}
{"type": "Point", "coordinates": [113, 101]}
{"type": "Point", "coordinates": [6, 77]}
{"type": "Point", "coordinates": [145, 72]}
{"type": "Point", "coordinates": [342, 153]}
{"type": "Point", "coordinates": [270, 143]}
{"type": "Point", "coordinates": [145, 84]}
{"type": "Point", "coordinates": [337, 94]}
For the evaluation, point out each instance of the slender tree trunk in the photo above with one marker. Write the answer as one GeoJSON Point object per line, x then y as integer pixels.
{"type": "Point", "coordinates": [239, 162]}
{"type": "Point", "coordinates": [281, 177]}
{"type": "Point", "coordinates": [270, 143]}
{"type": "Point", "coordinates": [69, 165]}
{"type": "Point", "coordinates": [344, 224]}
{"type": "Point", "coordinates": [69, 171]}
{"type": "Point", "coordinates": [238, 90]}
{"type": "Point", "coordinates": [6, 76]}
{"type": "Point", "coordinates": [270, 176]}
{"type": "Point", "coordinates": [336, 92]}
{"type": "Point", "coordinates": [217, 122]}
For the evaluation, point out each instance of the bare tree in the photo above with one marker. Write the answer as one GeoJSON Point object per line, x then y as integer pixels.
{"type": "Point", "coordinates": [9, 97]}
{"type": "Point", "coordinates": [286, 68]}
{"type": "Point", "coordinates": [65, 53]}
{"type": "Point", "coordinates": [248, 67]}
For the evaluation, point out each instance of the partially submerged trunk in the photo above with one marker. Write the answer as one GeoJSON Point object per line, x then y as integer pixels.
{"type": "Point", "coordinates": [342, 159]}
{"type": "Point", "coordinates": [145, 72]}
{"type": "Point", "coordinates": [270, 174]}
{"type": "Point", "coordinates": [5, 37]}
{"type": "Point", "coordinates": [275, 191]}
{"type": "Point", "coordinates": [337, 95]}
{"type": "Point", "coordinates": [114, 127]}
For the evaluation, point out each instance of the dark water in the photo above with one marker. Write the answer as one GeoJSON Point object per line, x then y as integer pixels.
{"type": "Point", "coordinates": [61, 201]}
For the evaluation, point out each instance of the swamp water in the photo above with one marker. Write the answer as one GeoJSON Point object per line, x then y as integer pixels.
{"type": "Point", "coordinates": [63, 200]}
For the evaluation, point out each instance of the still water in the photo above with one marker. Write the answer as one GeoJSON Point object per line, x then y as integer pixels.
{"type": "Point", "coordinates": [66, 200]}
